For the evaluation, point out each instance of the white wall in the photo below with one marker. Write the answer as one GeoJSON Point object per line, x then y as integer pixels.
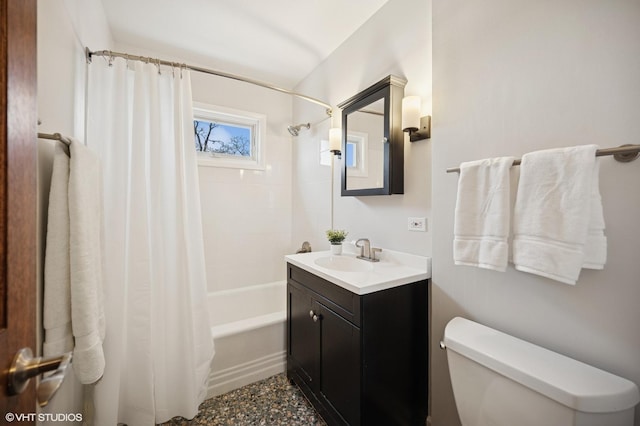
{"type": "Point", "coordinates": [511, 77]}
{"type": "Point", "coordinates": [64, 28]}
{"type": "Point", "coordinates": [396, 40]}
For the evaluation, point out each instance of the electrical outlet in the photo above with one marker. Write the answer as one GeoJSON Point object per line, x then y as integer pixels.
{"type": "Point", "coordinates": [417, 224]}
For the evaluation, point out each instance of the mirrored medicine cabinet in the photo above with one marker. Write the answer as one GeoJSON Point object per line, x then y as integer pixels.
{"type": "Point", "coordinates": [373, 141]}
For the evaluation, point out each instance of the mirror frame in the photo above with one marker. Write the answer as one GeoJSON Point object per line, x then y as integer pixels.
{"type": "Point", "coordinates": [391, 89]}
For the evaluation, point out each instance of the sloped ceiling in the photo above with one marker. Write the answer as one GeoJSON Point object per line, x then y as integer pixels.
{"type": "Point", "coordinates": [276, 41]}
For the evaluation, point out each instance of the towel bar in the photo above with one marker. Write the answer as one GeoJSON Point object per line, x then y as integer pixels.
{"type": "Point", "coordinates": [622, 153]}
{"type": "Point", "coordinates": [55, 137]}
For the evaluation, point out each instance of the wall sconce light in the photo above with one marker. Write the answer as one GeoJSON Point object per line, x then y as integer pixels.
{"type": "Point", "coordinates": [335, 141]}
{"type": "Point", "coordinates": [418, 127]}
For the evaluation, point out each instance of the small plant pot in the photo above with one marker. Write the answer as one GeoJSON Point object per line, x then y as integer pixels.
{"type": "Point", "coordinates": [336, 249]}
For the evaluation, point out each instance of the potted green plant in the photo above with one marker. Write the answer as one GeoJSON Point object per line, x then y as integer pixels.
{"type": "Point", "coordinates": [336, 237]}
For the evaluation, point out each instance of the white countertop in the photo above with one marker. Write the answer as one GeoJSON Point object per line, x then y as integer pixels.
{"type": "Point", "coordinates": [393, 270]}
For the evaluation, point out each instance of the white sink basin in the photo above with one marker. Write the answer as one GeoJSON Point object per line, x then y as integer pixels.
{"type": "Point", "coordinates": [344, 264]}
{"type": "Point", "coordinates": [361, 277]}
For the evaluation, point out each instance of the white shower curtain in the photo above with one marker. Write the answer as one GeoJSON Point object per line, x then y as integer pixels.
{"type": "Point", "coordinates": [158, 346]}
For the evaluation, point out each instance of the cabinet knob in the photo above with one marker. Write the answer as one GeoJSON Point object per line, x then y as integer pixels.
{"type": "Point", "coordinates": [311, 313]}
{"type": "Point", "coordinates": [315, 318]}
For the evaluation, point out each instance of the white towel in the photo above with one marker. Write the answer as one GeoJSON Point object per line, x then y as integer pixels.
{"type": "Point", "coordinates": [57, 287]}
{"type": "Point", "coordinates": [85, 219]}
{"type": "Point", "coordinates": [558, 223]}
{"type": "Point", "coordinates": [73, 302]}
{"type": "Point", "coordinates": [481, 225]}
{"type": "Point", "coordinates": [595, 251]}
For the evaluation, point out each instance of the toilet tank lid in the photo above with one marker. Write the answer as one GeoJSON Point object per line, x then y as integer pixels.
{"type": "Point", "coordinates": [570, 382]}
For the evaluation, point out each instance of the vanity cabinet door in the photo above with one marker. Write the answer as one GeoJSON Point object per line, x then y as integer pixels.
{"type": "Point", "coordinates": [340, 365]}
{"type": "Point", "coordinates": [359, 359]}
{"type": "Point", "coordinates": [303, 336]}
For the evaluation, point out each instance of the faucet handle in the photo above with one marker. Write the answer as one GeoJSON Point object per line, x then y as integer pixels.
{"type": "Point", "coordinates": [375, 250]}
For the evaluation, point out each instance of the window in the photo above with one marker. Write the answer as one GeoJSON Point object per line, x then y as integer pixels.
{"type": "Point", "coordinates": [226, 137]}
{"type": "Point", "coordinates": [356, 155]}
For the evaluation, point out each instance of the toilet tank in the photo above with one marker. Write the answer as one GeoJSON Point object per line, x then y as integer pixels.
{"type": "Point", "coordinates": [500, 380]}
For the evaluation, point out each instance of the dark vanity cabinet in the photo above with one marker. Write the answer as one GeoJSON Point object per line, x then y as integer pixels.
{"type": "Point", "coordinates": [359, 359]}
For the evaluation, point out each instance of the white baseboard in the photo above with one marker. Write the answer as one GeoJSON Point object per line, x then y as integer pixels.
{"type": "Point", "coordinates": [240, 375]}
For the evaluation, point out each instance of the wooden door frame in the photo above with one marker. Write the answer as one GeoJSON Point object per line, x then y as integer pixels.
{"type": "Point", "coordinates": [18, 161]}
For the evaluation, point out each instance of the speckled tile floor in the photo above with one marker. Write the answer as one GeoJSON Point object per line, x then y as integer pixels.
{"type": "Point", "coordinates": [272, 401]}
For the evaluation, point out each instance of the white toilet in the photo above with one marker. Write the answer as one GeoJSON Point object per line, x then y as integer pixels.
{"type": "Point", "coordinates": [499, 380]}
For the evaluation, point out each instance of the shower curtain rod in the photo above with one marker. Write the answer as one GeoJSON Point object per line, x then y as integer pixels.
{"type": "Point", "coordinates": [111, 54]}
{"type": "Point", "coordinates": [622, 153]}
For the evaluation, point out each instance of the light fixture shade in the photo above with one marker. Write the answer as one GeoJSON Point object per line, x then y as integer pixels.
{"type": "Point", "coordinates": [411, 113]}
{"type": "Point", "coordinates": [335, 139]}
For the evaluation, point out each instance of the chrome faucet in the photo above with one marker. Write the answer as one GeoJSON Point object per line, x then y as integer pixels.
{"type": "Point", "coordinates": [366, 251]}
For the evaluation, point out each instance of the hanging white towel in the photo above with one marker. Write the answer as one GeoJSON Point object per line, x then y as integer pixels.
{"type": "Point", "coordinates": [87, 311]}
{"type": "Point", "coordinates": [595, 251]}
{"type": "Point", "coordinates": [57, 287]}
{"type": "Point", "coordinates": [73, 307]}
{"type": "Point", "coordinates": [481, 225]}
{"type": "Point", "coordinates": [558, 222]}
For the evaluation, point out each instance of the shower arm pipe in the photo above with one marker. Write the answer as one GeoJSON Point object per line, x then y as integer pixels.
{"type": "Point", "coordinates": [111, 54]}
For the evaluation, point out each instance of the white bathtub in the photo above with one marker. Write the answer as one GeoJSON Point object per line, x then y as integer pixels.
{"type": "Point", "coordinates": [248, 329]}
